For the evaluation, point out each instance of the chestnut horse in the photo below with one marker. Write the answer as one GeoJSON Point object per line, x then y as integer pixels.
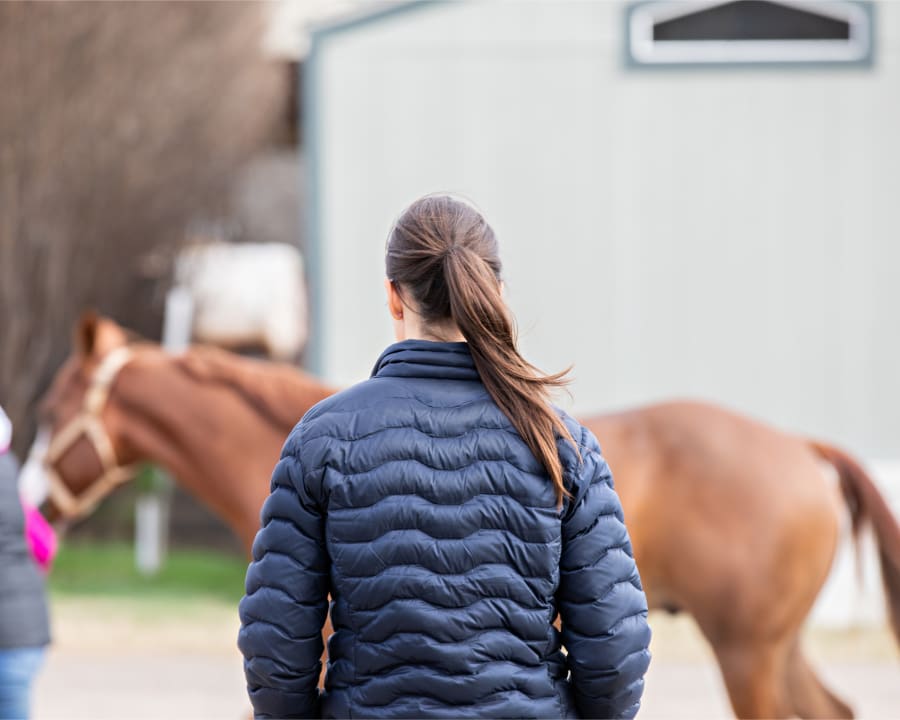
{"type": "Point", "coordinates": [731, 521]}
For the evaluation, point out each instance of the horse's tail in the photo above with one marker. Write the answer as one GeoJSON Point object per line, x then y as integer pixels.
{"type": "Point", "coordinates": [866, 504]}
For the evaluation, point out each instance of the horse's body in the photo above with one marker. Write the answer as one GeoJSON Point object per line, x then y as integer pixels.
{"type": "Point", "coordinates": [736, 524]}
{"type": "Point", "coordinates": [731, 521]}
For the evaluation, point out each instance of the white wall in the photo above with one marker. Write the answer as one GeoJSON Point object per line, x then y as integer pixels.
{"type": "Point", "coordinates": [726, 234]}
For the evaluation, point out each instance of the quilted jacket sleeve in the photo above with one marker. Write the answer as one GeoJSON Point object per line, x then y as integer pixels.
{"type": "Point", "coordinates": [601, 603]}
{"type": "Point", "coordinates": [286, 597]}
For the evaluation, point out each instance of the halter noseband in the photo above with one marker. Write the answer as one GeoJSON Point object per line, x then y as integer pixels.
{"type": "Point", "coordinates": [89, 423]}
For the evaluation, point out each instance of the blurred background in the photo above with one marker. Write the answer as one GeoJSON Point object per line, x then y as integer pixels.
{"type": "Point", "coordinates": [693, 200]}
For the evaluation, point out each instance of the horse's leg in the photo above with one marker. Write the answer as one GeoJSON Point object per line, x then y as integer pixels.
{"type": "Point", "coordinates": [754, 678]}
{"type": "Point", "coordinates": [809, 697]}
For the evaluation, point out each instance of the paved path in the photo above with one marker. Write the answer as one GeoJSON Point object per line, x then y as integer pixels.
{"type": "Point", "coordinates": [141, 687]}
{"type": "Point", "coordinates": [210, 687]}
{"type": "Point", "coordinates": [133, 661]}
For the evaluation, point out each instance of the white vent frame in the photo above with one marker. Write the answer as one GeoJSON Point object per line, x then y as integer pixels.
{"type": "Point", "coordinates": [642, 50]}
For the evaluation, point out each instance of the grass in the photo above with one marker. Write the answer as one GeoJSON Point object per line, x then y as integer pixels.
{"type": "Point", "coordinates": [108, 570]}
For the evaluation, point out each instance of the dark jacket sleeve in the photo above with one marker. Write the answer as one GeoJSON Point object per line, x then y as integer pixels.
{"type": "Point", "coordinates": [601, 603]}
{"type": "Point", "coordinates": [286, 597]}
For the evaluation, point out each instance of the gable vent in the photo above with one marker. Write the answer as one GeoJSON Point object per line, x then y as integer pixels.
{"type": "Point", "coordinates": [749, 32]}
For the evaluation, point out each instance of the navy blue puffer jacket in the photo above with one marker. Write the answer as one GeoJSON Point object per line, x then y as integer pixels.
{"type": "Point", "coordinates": [411, 499]}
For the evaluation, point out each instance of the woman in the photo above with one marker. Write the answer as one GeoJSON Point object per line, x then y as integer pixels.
{"type": "Point", "coordinates": [451, 513]}
{"type": "Point", "coordinates": [24, 626]}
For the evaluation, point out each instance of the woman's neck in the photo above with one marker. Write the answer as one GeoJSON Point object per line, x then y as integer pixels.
{"type": "Point", "coordinates": [414, 328]}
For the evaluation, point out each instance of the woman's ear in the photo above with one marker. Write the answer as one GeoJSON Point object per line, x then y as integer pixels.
{"type": "Point", "coordinates": [394, 301]}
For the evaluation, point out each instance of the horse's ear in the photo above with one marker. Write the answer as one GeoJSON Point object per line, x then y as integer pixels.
{"type": "Point", "coordinates": [96, 336]}
{"type": "Point", "coordinates": [86, 333]}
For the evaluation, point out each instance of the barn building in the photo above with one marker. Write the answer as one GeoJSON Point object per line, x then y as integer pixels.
{"type": "Point", "coordinates": [692, 199]}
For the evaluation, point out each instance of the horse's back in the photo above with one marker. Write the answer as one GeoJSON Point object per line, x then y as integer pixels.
{"type": "Point", "coordinates": [714, 499]}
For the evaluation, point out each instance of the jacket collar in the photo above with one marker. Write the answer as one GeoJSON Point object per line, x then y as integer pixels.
{"type": "Point", "coordinates": [427, 359]}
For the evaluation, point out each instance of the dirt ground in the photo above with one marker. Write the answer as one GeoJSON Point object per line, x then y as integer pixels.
{"type": "Point", "coordinates": [135, 660]}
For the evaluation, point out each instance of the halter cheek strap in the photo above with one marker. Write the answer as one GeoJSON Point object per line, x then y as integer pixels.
{"type": "Point", "coordinates": [89, 423]}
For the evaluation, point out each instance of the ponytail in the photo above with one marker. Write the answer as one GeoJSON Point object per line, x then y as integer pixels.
{"type": "Point", "coordinates": [444, 252]}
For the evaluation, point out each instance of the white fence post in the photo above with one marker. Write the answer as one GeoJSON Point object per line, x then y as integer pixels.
{"type": "Point", "coordinates": [152, 509]}
{"type": "Point", "coordinates": [151, 525]}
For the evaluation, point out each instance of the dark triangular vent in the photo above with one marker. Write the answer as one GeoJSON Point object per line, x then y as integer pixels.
{"type": "Point", "coordinates": [752, 20]}
{"type": "Point", "coordinates": [750, 32]}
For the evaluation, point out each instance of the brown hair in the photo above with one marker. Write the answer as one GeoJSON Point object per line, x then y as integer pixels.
{"type": "Point", "coordinates": [443, 252]}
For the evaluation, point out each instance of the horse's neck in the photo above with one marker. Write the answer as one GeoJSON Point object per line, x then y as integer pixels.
{"type": "Point", "coordinates": [279, 392]}
{"type": "Point", "coordinates": [215, 443]}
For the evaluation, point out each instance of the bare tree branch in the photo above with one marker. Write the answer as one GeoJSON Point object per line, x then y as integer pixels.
{"type": "Point", "coordinates": [120, 124]}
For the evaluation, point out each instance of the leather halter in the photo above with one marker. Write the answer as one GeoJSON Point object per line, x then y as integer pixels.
{"type": "Point", "coordinates": [89, 423]}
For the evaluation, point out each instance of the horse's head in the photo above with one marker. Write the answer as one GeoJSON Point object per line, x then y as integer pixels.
{"type": "Point", "coordinates": [113, 403]}
{"type": "Point", "coordinates": [78, 447]}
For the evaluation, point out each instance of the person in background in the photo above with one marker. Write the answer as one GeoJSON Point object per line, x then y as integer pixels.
{"type": "Point", "coordinates": [24, 622]}
{"type": "Point", "coordinates": [452, 513]}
